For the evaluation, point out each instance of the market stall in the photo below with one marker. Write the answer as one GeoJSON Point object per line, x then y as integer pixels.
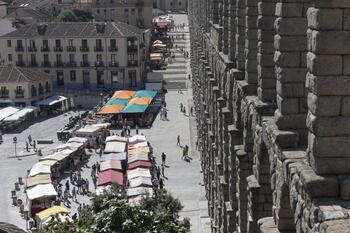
{"type": "Point", "coordinates": [110, 177]}
{"type": "Point", "coordinates": [139, 164]}
{"type": "Point", "coordinates": [40, 197]}
{"type": "Point", "coordinates": [111, 165]}
{"type": "Point", "coordinates": [114, 156]}
{"type": "Point", "coordinates": [44, 217]}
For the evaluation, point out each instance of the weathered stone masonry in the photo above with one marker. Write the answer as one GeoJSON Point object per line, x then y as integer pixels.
{"type": "Point", "coordinates": [271, 82]}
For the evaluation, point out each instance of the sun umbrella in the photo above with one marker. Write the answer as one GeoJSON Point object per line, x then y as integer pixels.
{"type": "Point", "coordinates": [111, 109]}
{"type": "Point", "coordinates": [118, 101]}
{"type": "Point", "coordinates": [145, 93]}
{"type": "Point", "coordinates": [135, 108]}
{"type": "Point", "coordinates": [123, 94]}
{"type": "Point", "coordinates": [140, 100]}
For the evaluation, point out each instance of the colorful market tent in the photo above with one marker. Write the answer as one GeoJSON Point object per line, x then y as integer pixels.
{"type": "Point", "coordinates": [111, 109]}
{"type": "Point", "coordinates": [115, 147]}
{"type": "Point", "coordinates": [137, 138]}
{"type": "Point", "coordinates": [140, 150]}
{"type": "Point", "coordinates": [135, 108]}
{"type": "Point", "coordinates": [137, 145]}
{"type": "Point", "coordinates": [52, 211]}
{"type": "Point", "coordinates": [123, 94]}
{"type": "Point", "coordinates": [38, 179]}
{"type": "Point", "coordinates": [139, 164]}
{"type": "Point", "coordinates": [140, 100]}
{"type": "Point", "coordinates": [116, 138]}
{"type": "Point", "coordinates": [110, 177]}
{"type": "Point", "coordinates": [41, 190]}
{"type": "Point", "coordinates": [145, 93]}
{"type": "Point", "coordinates": [140, 182]}
{"type": "Point", "coordinates": [114, 156]}
{"type": "Point", "coordinates": [111, 164]}
{"type": "Point", "coordinates": [156, 56]}
{"type": "Point", "coordinates": [118, 101]}
{"type": "Point", "coordinates": [136, 157]}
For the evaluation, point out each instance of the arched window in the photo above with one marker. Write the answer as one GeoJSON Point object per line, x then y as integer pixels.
{"type": "Point", "coordinates": [41, 89]}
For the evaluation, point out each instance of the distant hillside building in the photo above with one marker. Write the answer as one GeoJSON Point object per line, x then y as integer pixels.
{"type": "Point", "coordinates": [82, 55]}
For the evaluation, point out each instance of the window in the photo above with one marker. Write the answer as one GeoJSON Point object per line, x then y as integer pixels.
{"type": "Point", "coordinates": [105, 11]}
{"type": "Point", "coordinates": [132, 77]}
{"type": "Point", "coordinates": [33, 91]}
{"type": "Point", "coordinates": [126, 10]}
{"type": "Point", "coordinates": [113, 58]}
{"type": "Point", "coordinates": [98, 11]}
{"type": "Point", "coordinates": [9, 43]}
{"type": "Point", "coordinates": [33, 59]}
{"type": "Point", "coordinates": [58, 58]}
{"type": "Point", "coordinates": [171, 3]}
{"type": "Point", "coordinates": [179, 3]}
{"type": "Point", "coordinates": [19, 43]}
{"type": "Point", "coordinates": [41, 89]}
{"type": "Point", "coordinates": [85, 58]}
{"type": "Point", "coordinates": [46, 58]}
{"type": "Point", "coordinates": [132, 10]}
{"type": "Point", "coordinates": [19, 92]}
{"type": "Point", "coordinates": [47, 87]}
{"type": "Point", "coordinates": [84, 44]}
{"type": "Point", "coordinates": [99, 57]}
{"type": "Point", "coordinates": [58, 43]}
{"type": "Point", "coordinates": [139, 10]}
{"type": "Point", "coordinates": [60, 78]}
{"type": "Point", "coordinates": [20, 58]}
{"type": "Point", "coordinates": [71, 58]}
{"type": "Point", "coordinates": [100, 78]}
{"type": "Point", "coordinates": [31, 43]}
{"type": "Point", "coordinates": [73, 76]}
{"type": "Point", "coordinates": [9, 57]}
{"type": "Point", "coordinates": [114, 75]}
{"type": "Point", "coordinates": [70, 42]}
{"type": "Point", "coordinates": [45, 44]}
{"type": "Point", "coordinates": [4, 92]}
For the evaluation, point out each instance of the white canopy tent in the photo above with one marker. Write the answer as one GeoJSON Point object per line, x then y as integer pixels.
{"type": "Point", "coordinates": [58, 156]}
{"type": "Point", "coordinates": [140, 181]}
{"type": "Point", "coordinates": [137, 138]}
{"type": "Point", "coordinates": [8, 111]}
{"type": "Point", "coordinates": [115, 147]}
{"type": "Point", "coordinates": [116, 138]}
{"type": "Point", "coordinates": [20, 114]}
{"type": "Point", "coordinates": [40, 168]}
{"type": "Point", "coordinates": [137, 145]}
{"type": "Point", "coordinates": [138, 172]}
{"type": "Point", "coordinates": [113, 156]}
{"type": "Point", "coordinates": [41, 190]}
{"type": "Point", "coordinates": [52, 100]}
{"type": "Point", "coordinates": [138, 157]}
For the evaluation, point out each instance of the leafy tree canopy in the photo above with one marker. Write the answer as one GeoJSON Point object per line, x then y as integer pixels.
{"type": "Point", "coordinates": [74, 15]}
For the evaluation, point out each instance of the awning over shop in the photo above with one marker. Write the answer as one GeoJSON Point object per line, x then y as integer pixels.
{"type": "Point", "coordinates": [38, 179]}
{"type": "Point", "coordinates": [140, 157]}
{"type": "Point", "coordinates": [135, 108]}
{"type": "Point", "coordinates": [140, 150]}
{"type": "Point", "coordinates": [139, 191]}
{"type": "Point", "coordinates": [111, 109]}
{"type": "Point", "coordinates": [118, 101]}
{"type": "Point", "coordinates": [111, 164]}
{"type": "Point", "coordinates": [140, 182]}
{"type": "Point", "coordinates": [138, 172]}
{"type": "Point", "coordinates": [52, 211]}
{"type": "Point", "coordinates": [139, 164]}
{"type": "Point", "coordinates": [58, 156]}
{"type": "Point", "coordinates": [52, 100]}
{"type": "Point", "coordinates": [8, 111]}
{"type": "Point", "coordinates": [39, 168]}
{"type": "Point", "coordinates": [115, 147]}
{"type": "Point", "coordinates": [123, 94]}
{"type": "Point", "coordinates": [48, 162]}
{"type": "Point", "coordinates": [145, 94]}
{"type": "Point", "coordinates": [41, 190]}
{"type": "Point", "coordinates": [141, 101]}
{"type": "Point", "coordinates": [110, 177]}
{"type": "Point", "coordinates": [114, 156]}
{"type": "Point", "coordinates": [21, 113]}
{"type": "Point", "coordinates": [77, 140]}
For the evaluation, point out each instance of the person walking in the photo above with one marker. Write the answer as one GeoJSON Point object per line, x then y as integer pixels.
{"type": "Point", "coordinates": [184, 110]}
{"type": "Point", "coordinates": [158, 173]}
{"type": "Point", "coordinates": [74, 194]}
{"type": "Point", "coordinates": [163, 170]}
{"type": "Point", "coordinates": [27, 147]}
{"type": "Point", "coordinates": [34, 145]}
{"type": "Point", "coordinates": [30, 139]}
{"type": "Point", "coordinates": [161, 184]}
{"type": "Point", "coordinates": [178, 140]}
{"type": "Point", "coordinates": [181, 107]}
{"type": "Point", "coordinates": [191, 111]}
{"type": "Point", "coordinates": [163, 158]}
{"type": "Point", "coordinates": [137, 129]}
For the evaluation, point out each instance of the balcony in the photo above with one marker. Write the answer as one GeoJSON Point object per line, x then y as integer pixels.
{"type": "Point", "coordinates": [113, 64]}
{"type": "Point", "coordinates": [98, 48]}
{"type": "Point", "coordinates": [132, 49]}
{"type": "Point", "coordinates": [132, 63]}
{"type": "Point", "coordinates": [32, 49]}
{"type": "Point", "coordinates": [71, 48]}
{"type": "Point", "coordinates": [46, 64]}
{"type": "Point", "coordinates": [33, 64]}
{"type": "Point", "coordinates": [59, 64]}
{"type": "Point", "coordinates": [20, 63]}
{"type": "Point", "coordinates": [71, 64]}
{"type": "Point", "coordinates": [19, 94]}
{"type": "Point", "coordinates": [84, 64]}
{"type": "Point", "coordinates": [99, 64]}
{"type": "Point", "coordinates": [19, 49]}
{"type": "Point", "coordinates": [45, 49]}
{"type": "Point", "coordinates": [113, 49]}
{"type": "Point", "coordinates": [58, 49]}
{"type": "Point", "coordinates": [84, 49]}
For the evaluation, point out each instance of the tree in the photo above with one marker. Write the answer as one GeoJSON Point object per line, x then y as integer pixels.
{"type": "Point", "coordinates": [74, 15]}
{"type": "Point", "coordinates": [110, 212]}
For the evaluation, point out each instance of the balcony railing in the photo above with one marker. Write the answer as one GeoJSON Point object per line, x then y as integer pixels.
{"type": "Point", "coordinates": [33, 64]}
{"type": "Point", "coordinates": [19, 49]}
{"type": "Point", "coordinates": [46, 64]}
{"type": "Point", "coordinates": [98, 48]}
{"type": "Point", "coordinates": [59, 64]}
{"type": "Point", "coordinates": [84, 64]}
{"type": "Point", "coordinates": [71, 48]}
{"type": "Point", "coordinates": [71, 64]}
{"type": "Point", "coordinates": [132, 63]}
{"type": "Point", "coordinates": [20, 63]}
{"type": "Point", "coordinates": [32, 49]}
{"type": "Point", "coordinates": [58, 49]}
{"type": "Point", "coordinates": [84, 49]}
{"type": "Point", "coordinates": [132, 49]}
{"type": "Point", "coordinates": [99, 64]}
{"type": "Point", "coordinates": [113, 49]}
{"type": "Point", "coordinates": [113, 64]}
{"type": "Point", "coordinates": [45, 49]}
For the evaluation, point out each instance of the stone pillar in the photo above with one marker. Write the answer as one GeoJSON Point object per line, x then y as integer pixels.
{"type": "Point", "coordinates": [251, 42]}
{"type": "Point", "coordinates": [328, 85]}
{"type": "Point", "coordinates": [291, 46]}
{"type": "Point", "coordinates": [232, 31]}
{"type": "Point", "coordinates": [240, 34]}
{"type": "Point", "coordinates": [266, 71]}
{"type": "Point", "coordinates": [225, 25]}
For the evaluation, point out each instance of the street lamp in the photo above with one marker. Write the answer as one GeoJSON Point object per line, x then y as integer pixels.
{"type": "Point", "coordinates": [101, 98]}
{"type": "Point", "coordinates": [15, 142]}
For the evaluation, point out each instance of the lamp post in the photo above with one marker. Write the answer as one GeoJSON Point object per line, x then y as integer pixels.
{"type": "Point", "coordinates": [15, 142]}
{"type": "Point", "coordinates": [101, 98]}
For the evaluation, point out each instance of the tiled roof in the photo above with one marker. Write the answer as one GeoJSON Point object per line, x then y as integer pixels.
{"type": "Point", "coordinates": [16, 74]}
{"type": "Point", "coordinates": [26, 12]}
{"type": "Point", "coordinates": [76, 29]}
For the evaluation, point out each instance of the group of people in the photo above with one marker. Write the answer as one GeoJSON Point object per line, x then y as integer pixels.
{"type": "Point", "coordinates": [31, 143]}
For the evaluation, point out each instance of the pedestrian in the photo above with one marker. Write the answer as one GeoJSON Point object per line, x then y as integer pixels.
{"type": "Point", "coordinates": [189, 77]}
{"type": "Point", "coordinates": [163, 158]}
{"type": "Point", "coordinates": [181, 107]}
{"type": "Point", "coordinates": [137, 129]}
{"type": "Point", "coordinates": [129, 131]}
{"type": "Point", "coordinates": [87, 185]}
{"type": "Point", "coordinates": [163, 170]}
{"type": "Point", "coordinates": [34, 145]}
{"type": "Point", "coordinates": [158, 173]}
{"type": "Point", "coordinates": [101, 151]}
{"type": "Point", "coordinates": [67, 185]}
{"type": "Point", "coordinates": [165, 115]}
{"type": "Point", "coordinates": [184, 110]}
{"type": "Point", "coordinates": [94, 180]}
{"type": "Point", "coordinates": [161, 184]}
{"type": "Point", "coordinates": [183, 153]}
{"type": "Point", "coordinates": [71, 176]}
{"type": "Point", "coordinates": [178, 140]}
{"type": "Point", "coordinates": [191, 111]}
{"type": "Point", "coordinates": [74, 194]}
{"type": "Point", "coordinates": [30, 139]}
{"type": "Point", "coordinates": [27, 147]}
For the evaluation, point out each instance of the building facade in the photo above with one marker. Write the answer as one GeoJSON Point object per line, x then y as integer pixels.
{"type": "Point", "coordinates": [21, 86]}
{"type": "Point", "coordinates": [80, 56]}
{"type": "Point", "coordinates": [271, 89]}
{"type": "Point", "coordinates": [171, 5]}
{"type": "Point", "coordinates": [133, 12]}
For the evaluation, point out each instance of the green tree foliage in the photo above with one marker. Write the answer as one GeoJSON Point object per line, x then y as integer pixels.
{"type": "Point", "coordinates": [74, 15]}
{"type": "Point", "coordinates": [111, 213]}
